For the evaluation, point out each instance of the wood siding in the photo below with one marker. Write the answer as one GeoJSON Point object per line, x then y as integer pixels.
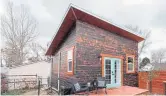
{"type": "Point", "coordinates": [157, 83]}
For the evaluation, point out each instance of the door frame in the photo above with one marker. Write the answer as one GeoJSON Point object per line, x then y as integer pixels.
{"type": "Point", "coordinates": [112, 56]}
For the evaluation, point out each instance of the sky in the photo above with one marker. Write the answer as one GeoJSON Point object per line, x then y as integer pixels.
{"type": "Point", "coordinates": [147, 14]}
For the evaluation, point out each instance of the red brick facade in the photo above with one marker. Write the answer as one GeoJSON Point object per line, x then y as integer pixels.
{"type": "Point", "coordinates": [90, 42]}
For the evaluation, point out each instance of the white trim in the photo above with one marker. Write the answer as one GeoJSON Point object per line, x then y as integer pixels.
{"type": "Point", "coordinates": [70, 56]}
{"type": "Point", "coordinates": [130, 63]}
{"type": "Point", "coordinates": [68, 66]}
{"type": "Point", "coordinates": [132, 68]}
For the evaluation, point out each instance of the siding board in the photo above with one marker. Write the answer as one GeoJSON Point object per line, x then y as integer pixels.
{"type": "Point", "coordinates": [157, 83]}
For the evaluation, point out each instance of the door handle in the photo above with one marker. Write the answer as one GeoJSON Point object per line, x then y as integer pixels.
{"type": "Point", "coordinates": [112, 73]}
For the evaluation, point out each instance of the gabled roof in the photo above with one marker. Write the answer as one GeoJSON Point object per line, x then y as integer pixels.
{"type": "Point", "coordinates": [74, 13]}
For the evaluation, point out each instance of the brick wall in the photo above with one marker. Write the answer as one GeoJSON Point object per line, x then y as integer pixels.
{"type": "Point", "coordinates": [67, 43]}
{"type": "Point", "coordinates": [157, 83]}
{"type": "Point", "coordinates": [92, 41]}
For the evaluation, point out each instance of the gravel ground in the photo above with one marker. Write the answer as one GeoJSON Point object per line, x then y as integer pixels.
{"type": "Point", "coordinates": [42, 92]}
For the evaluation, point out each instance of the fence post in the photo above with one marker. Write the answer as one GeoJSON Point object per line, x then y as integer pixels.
{"type": "Point", "coordinates": [164, 87]}
{"type": "Point", "coordinates": [36, 79]}
{"type": "Point", "coordinates": [48, 82]}
{"type": "Point", "coordinates": [150, 86]}
{"type": "Point", "coordinates": [14, 84]}
{"type": "Point", "coordinates": [41, 81]}
{"type": "Point", "coordinates": [38, 87]}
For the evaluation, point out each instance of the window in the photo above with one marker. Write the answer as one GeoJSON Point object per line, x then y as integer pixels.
{"type": "Point", "coordinates": [69, 65]}
{"type": "Point", "coordinates": [130, 64]}
{"type": "Point", "coordinates": [70, 60]}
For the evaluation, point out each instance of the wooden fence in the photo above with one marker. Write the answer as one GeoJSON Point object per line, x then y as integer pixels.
{"type": "Point", "coordinates": [21, 81]}
{"type": "Point", "coordinates": [157, 83]}
{"type": "Point", "coordinates": [24, 82]}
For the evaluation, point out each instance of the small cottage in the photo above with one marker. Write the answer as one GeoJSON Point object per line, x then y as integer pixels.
{"type": "Point", "coordinates": [87, 46]}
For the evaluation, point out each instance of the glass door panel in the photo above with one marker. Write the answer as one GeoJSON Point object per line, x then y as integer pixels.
{"type": "Point", "coordinates": [112, 67]}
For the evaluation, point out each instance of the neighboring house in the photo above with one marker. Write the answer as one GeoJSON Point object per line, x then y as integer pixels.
{"type": "Point", "coordinates": [154, 66]}
{"type": "Point", "coordinates": [147, 67]}
{"type": "Point", "coordinates": [40, 68]}
{"type": "Point", "coordinates": [30, 73]}
{"type": "Point", "coordinates": [4, 69]}
{"type": "Point", "coordinates": [87, 46]}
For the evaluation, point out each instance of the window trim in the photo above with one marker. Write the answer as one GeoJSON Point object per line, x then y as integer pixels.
{"type": "Point", "coordinates": [127, 71]}
{"type": "Point", "coordinates": [70, 72]}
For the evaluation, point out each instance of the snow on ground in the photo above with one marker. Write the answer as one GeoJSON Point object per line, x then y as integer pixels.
{"type": "Point", "coordinates": [41, 69]}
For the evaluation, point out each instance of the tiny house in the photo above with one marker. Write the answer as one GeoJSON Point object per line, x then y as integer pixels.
{"type": "Point", "coordinates": [87, 46]}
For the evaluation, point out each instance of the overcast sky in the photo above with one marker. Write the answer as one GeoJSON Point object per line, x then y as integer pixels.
{"type": "Point", "coordinates": [147, 14]}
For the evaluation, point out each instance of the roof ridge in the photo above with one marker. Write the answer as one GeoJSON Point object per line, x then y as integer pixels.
{"type": "Point", "coordinates": [105, 19]}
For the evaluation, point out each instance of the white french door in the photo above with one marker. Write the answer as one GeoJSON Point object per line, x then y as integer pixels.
{"type": "Point", "coordinates": [112, 72]}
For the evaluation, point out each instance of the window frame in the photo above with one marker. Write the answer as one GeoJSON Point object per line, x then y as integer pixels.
{"type": "Point", "coordinates": [68, 60]}
{"type": "Point", "coordinates": [67, 63]}
{"type": "Point", "coordinates": [127, 64]}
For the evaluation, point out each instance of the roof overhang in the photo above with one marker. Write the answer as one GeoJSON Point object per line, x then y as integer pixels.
{"type": "Point", "coordinates": [74, 13]}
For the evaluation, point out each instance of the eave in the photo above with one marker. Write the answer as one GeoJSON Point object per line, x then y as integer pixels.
{"type": "Point", "coordinates": [73, 14]}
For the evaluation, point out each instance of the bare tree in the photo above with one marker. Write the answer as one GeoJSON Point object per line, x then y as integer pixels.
{"type": "Point", "coordinates": [158, 56]}
{"type": "Point", "coordinates": [19, 29]}
{"type": "Point", "coordinates": [35, 48]}
{"type": "Point", "coordinates": [145, 33]}
{"type": "Point", "coordinates": [43, 49]}
{"type": "Point", "coordinates": [149, 76]}
{"type": "Point", "coordinates": [38, 50]}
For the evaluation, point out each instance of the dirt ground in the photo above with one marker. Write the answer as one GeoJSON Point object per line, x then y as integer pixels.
{"type": "Point", "coordinates": [35, 92]}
